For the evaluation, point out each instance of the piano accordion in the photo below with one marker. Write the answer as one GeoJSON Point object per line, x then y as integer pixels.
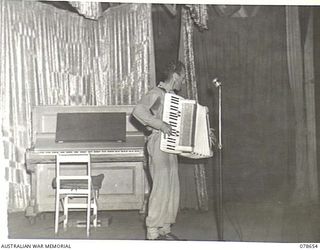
{"type": "Point", "coordinates": [190, 128]}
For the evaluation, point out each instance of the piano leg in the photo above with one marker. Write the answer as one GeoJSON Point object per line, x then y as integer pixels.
{"type": "Point", "coordinates": [32, 210]}
{"type": "Point", "coordinates": [30, 215]}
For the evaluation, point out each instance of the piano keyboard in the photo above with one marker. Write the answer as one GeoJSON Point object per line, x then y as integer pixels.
{"type": "Point", "coordinates": [109, 151]}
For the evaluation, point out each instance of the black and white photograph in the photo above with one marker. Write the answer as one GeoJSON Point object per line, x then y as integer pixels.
{"type": "Point", "coordinates": [159, 123]}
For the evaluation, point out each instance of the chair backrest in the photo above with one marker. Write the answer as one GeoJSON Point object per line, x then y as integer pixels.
{"type": "Point", "coordinates": [73, 158]}
{"type": "Point", "coordinates": [76, 181]}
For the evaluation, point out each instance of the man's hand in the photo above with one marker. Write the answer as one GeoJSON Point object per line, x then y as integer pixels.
{"type": "Point", "coordinates": [166, 129]}
{"type": "Point", "coordinates": [212, 138]}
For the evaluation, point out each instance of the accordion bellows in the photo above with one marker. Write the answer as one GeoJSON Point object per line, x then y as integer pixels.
{"type": "Point", "coordinates": [190, 128]}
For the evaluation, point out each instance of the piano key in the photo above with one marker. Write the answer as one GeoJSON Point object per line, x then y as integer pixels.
{"type": "Point", "coordinates": [173, 117]}
{"type": "Point", "coordinates": [175, 107]}
{"type": "Point", "coordinates": [174, 100]}
{"type": "Point", "coordinates": [173, 114]}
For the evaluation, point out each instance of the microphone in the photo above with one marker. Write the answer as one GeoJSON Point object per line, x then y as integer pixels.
{"type": "Point", "coordinates": [216, 82]}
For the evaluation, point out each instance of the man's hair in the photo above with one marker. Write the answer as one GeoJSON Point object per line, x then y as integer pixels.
{"type": "Point", "coordinates": [172, 67]}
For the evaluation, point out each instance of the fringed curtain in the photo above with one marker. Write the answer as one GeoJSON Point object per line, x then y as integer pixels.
{"type": "Point", "coordinates": [188, 17]}
{"type": "Point", "coordinates": [199, 15]}
{"type": "Point", "coordinates": [53, 57]}
{"type": "Point", "coordinates": [90, 10]}
{"type": "Point", "coordinates": [186, 54]}
{"type": "Point", "coordinates": [306, 183]}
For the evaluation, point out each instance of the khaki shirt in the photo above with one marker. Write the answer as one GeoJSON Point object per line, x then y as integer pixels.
{"type": "Point", "coordinates": [149, 109]}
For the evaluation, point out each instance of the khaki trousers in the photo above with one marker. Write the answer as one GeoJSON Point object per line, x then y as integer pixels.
{"type": "Point", "coordinates": [165, 192]}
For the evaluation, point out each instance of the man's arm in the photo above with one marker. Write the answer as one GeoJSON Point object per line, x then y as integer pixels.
{"type": "Point", "coordinates": [143, 114]}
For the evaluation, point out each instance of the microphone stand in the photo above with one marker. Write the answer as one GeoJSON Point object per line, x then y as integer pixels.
{"type": "Point", "coordinates": [218, 85]}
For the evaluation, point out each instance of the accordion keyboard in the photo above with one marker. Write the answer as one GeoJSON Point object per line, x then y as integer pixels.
{"type": "Point", "coordinates": [172, 116]}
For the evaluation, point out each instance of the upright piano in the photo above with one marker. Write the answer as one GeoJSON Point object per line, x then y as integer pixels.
{"type": "Point", "coordinates": [122, 162]}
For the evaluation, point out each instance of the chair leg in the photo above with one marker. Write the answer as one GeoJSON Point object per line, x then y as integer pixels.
{"type": "Point", "coordinates": [65, 211]}
{"type": "Point", "coordinates": [95, 212]}
{"type": "Point", "coordinates": [88, 214]}
{"type": "Point", "coordinates": [56, 220]}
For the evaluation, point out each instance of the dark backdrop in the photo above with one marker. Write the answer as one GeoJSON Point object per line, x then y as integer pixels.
{"type": "Point", "coordinates": [248, 55]}
{"type": "Point", "coordinates": [166, 32]}
{"type": "Point", "coordinates": [317, 77]}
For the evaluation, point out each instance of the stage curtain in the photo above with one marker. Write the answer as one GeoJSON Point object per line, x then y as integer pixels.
{"type": "Point", "coordinates": [199, 15]}
{"type": "Point", "coordinates": [90, 10]}
{"type": "Point", "coordinates": [249, 57]}
{"type": "Point", "coordinates": [125, 65]}
{"type": "Point", "coordinates": [192, 172]}
{"type": "Point", "coordinates": [53, 57]}
{"type": "Point", "coordinates": [301, 78]}
{"type": "Point", "coordinates": [43, 55]}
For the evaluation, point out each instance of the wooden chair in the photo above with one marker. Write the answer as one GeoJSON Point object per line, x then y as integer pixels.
{"type": "Point", "coordinates": [81, 187]}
